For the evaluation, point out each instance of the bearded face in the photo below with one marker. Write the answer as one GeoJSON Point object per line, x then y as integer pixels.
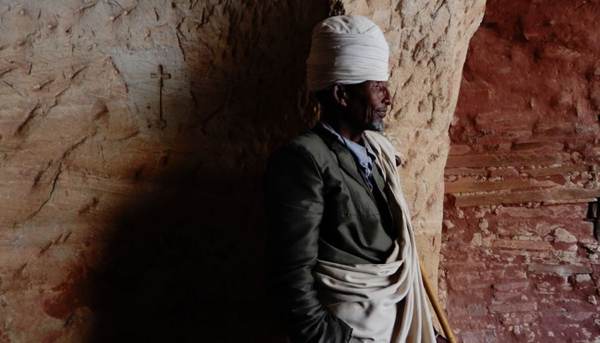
{"type": "Point", "coordinates": [367, 105]}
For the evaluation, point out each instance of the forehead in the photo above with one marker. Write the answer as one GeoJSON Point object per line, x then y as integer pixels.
{"type": "Point", "coordinates": [369, 86]}
{"type": "Point", "coordinates": [371, 83]}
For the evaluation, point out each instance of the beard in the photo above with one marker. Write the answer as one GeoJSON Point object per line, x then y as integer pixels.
{"type": "Point", "coordinates": [376, 125]}
{"type": "Point", "coordinates": [375, 119]}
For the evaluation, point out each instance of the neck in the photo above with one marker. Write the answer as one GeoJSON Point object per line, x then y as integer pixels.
{"type": "Point", "coordinates": [344, 128]}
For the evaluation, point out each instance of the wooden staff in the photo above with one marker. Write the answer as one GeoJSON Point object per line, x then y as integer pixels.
{"type": "Point", "coordinates": [437, 307]}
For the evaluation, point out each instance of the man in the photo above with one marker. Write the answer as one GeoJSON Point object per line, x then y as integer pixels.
{"type": "Point", "coordinates": [343, 261]}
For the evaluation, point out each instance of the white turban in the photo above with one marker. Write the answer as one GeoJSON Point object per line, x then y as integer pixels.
{"type": "Point", "coordinates": [346, 50]}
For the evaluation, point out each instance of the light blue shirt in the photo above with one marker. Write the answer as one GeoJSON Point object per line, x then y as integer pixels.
{"type": "Point", "coordinates": [362, 154]}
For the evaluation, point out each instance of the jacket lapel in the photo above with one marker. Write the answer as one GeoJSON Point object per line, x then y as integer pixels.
{"type": "Point", "coordinates": [346, 161]}
{"type": "Point", "coordinates": [379, 181]}
{"type": "Point", "coordinates": [381, 189]}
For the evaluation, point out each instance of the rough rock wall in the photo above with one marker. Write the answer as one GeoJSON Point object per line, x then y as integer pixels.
{"type": "Point", "coordinates": [133, 136]}
{"type": "Point", "coordinates": [133, 139]}
{"type": "Point", "coordinates": [519, 261]}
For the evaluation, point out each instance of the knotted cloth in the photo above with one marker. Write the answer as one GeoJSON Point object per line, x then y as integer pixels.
{"type": "Point", "coordinates": [381, 302]}
{"type": "Point", "coordinates": [346, 50]}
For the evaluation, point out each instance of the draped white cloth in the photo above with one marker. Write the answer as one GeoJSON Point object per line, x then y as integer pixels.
{"type": "Point", "coordinates": [381, 302]}
{"type": "Point", "coordinates": [346, 50]}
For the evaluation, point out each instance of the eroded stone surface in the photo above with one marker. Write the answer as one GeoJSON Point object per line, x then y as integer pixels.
{"type": "Point", "coordinates": [523, 158]}
{"type": "Point", "coordinates": [133, 136]}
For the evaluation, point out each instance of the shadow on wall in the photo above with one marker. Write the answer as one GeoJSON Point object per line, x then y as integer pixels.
{"type": "Point", "coordinates": [186, 263]}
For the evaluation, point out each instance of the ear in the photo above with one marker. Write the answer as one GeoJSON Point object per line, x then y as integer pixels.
{"type": "Point", "coordinates": [340, 95]}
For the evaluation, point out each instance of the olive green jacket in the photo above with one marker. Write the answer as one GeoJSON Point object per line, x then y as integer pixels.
{"type": "Point", "coordinates": [320, 207]}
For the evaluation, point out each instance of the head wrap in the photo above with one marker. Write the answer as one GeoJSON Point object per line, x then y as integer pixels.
{"type": "Point", "coordinates": [346, 50]}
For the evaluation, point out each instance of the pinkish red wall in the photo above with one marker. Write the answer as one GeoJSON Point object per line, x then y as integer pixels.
{"type": "Point", "coordinates": [519, 263]}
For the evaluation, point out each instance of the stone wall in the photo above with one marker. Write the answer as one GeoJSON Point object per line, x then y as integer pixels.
{"type": "Point", "coordinates": [519, 262]}
{"type": "Point", "coordinates": [133, 140]}
{"type": "Point", "coordinates": [133, 137]}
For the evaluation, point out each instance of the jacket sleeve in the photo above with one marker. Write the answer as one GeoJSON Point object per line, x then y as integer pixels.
{"type": "Point", "coordinates": [294, 205]}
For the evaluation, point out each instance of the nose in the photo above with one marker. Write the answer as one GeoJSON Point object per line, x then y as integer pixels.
{"type": "Point", "coordinates": [387, 99]}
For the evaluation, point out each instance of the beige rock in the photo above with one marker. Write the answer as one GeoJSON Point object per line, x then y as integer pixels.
{"type": "Point", "coordinates": [562, 235]}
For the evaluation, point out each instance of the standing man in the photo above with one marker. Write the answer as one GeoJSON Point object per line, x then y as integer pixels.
{"type": "Point", "coordinates": [343, 262]}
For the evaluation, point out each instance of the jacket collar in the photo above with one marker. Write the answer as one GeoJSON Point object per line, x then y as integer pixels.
{"type": "Point", "coordinates": [344, 156]}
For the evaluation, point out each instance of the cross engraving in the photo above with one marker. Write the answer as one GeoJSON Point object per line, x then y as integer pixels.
{"type": "Point", "coordinates": [161, 76]}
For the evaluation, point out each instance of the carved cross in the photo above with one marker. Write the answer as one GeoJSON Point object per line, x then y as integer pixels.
{"type": "Point", "coordinates": [161, 76]}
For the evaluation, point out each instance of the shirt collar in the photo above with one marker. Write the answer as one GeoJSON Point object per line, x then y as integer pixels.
{"type": "Point", "coordinates": [363, 153]}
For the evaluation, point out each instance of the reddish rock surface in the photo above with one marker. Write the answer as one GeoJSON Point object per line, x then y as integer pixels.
{"type": "Point", "coordinates": [519, 263]}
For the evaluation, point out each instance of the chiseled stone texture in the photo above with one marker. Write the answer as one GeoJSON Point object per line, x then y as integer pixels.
{"type": "Point", "coordinates": [519, 263]}
{"type": "Point", "coordinates": [526, 126]}
{"type": "Point", "coordinates": [133, 138]}
{"type": "Point", "coordinates": [132, 210]}
{"type": "Point", "coordinates": [518, 279]}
